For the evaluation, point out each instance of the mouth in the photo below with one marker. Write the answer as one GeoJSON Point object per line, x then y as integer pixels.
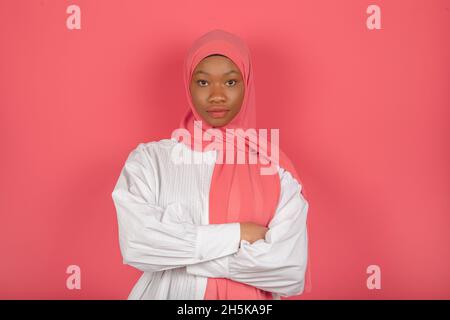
{"type": "Point", "coordinates": [218, 112]}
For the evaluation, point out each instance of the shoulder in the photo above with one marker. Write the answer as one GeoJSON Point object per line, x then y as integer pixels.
{"type": "Point", "coordinates": [155, 145]}
{"type": "Point", "coordinates": [291, 190]}
{"type": "Point", "coordinates": [152, 150]}
{"type": "Point", "coordinates": [288, 172]}
{"type": "Point", "coordinates": [288, 180]}
{"type": "Point", "coordinates": [146, 158]}
{"type": "Point", "coordinates": [290, 186]}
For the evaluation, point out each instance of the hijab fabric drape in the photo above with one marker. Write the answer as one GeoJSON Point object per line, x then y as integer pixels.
{"type": "Point", "coordinates": [238, 192]}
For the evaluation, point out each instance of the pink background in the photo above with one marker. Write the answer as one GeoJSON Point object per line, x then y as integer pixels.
{"type": "Point", "coordinates": [364, 115]}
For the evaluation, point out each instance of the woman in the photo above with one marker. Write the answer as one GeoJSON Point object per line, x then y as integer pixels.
{"type": "Point", "coordinates": [217, 228]}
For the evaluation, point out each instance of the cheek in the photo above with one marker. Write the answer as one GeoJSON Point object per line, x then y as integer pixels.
{"type": "Point", "coordinates": [238, 97]}
{"type": "Point", "coordinates": [197, 96]}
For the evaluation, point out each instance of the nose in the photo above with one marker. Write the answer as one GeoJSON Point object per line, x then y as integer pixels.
{"type": "Point", "coordinates": [217, 95]}
{"type": "Point", "coordinates": [217, 99]}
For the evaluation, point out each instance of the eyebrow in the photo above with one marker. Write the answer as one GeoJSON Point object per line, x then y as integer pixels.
{"type": "Point", "coordinates": [201, 71]}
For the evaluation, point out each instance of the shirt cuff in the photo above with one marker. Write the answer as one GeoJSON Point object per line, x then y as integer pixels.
{"type": "Point", "coordinates": [217, 240]}
{"type": "Point", "coordinates": [216, 268]}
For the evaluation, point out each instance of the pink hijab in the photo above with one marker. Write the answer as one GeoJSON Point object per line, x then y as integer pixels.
{"type": "Point", "coordinates": [238, 192]}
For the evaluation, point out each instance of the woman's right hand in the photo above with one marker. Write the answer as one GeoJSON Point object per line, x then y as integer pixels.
{"type": "Point", "coordinates": [252, 232]}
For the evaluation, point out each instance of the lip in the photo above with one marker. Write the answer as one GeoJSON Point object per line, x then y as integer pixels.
{"type": "Point", "coordinates": [217, 108]}
{"type": "Point", "coordinates": [217, 112]}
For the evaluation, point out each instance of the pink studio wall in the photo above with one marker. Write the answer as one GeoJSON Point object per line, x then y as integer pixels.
{"type": "Point", "coordinates": [364, 115]}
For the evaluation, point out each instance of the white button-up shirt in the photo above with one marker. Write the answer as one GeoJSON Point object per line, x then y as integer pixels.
{"type": "Point", "coordinates": [163, 222]}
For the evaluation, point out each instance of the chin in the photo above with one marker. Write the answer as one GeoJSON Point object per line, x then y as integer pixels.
{"type": "Point", "coordinates": [218, 122]}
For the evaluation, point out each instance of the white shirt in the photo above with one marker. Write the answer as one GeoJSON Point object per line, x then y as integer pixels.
{"type": "Point", "coordinates": [164, 231]}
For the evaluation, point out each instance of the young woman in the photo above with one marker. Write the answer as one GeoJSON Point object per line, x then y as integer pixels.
{"type": "Point", "coordinates": [217, 228]}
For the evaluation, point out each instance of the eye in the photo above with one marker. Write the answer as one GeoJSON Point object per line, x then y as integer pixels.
{"type": "Point", "coordinates": [198, 81]}
{"type": "Point", "coordinates": [235, 81]}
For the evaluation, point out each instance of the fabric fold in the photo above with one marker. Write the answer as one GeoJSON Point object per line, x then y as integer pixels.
{"type": "Point", "coordinates": [153, 238]}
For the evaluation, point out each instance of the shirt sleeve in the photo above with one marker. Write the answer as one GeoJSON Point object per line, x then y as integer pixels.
{"type": "Point", "coordinates": [277, 263]}
{"type": "Point", "coordinates": [153, 238]}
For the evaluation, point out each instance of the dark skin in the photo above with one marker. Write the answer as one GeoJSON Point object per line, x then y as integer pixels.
{"type": "Point", "coordinates": [217, 81]}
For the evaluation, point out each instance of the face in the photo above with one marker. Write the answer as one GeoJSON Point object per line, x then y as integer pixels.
{"type": "Point", "coordinates": [217, 90]}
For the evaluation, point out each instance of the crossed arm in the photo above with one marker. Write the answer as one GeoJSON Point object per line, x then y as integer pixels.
{"type": "Point", "coordinates": [153, 238]}
{"type": "Point", "coordinates": [276, 264]}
